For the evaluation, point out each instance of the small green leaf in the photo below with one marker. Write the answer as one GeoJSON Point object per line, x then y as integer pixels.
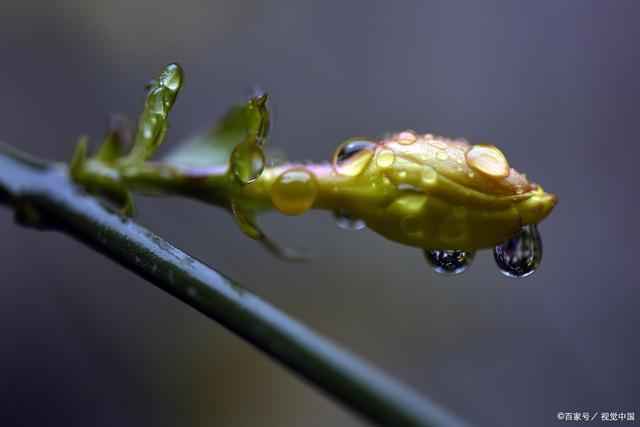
{"type": "Point", "coordinates": [213, 147]}
{"type": "Point", "coordinates": [258, 118]}
{"type": "Point", "coordinates": [118, 139]}
{"type": "Point", "coordinates": [153, 124]}
{"type": "Point", "coordinates": [78, 159]}
{"type": "Point", "coordinates": [247, 159]}
{"type": "Point", "coordinates": [129, 207]}
{"type": "Point", "coordinates": [247, 123]}
{"type": "Point", "coordinates": [247, 221]}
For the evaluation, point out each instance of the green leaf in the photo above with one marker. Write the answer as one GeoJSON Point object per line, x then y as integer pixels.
{"type": "Point", "coordinates": [248, 223]}
{"type": "Point", "coordinates": [246, 125]}
{"type": "Point", "coordinates": [78, 159]}
{"type": "Point", "coordinates": [258, 118]}
{"type": "Point", "coordinates": [119, 137]}
{"type": "Point", "coordinates": [153, 124]}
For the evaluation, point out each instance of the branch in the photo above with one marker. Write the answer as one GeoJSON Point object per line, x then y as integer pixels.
{"type": "Point", "coordinates": [43, 196]}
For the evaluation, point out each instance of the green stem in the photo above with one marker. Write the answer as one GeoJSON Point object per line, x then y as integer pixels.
{"type": "Point", "coordinates": [216, 186]}
{"type": "Point", "coordinates": [43, 195]}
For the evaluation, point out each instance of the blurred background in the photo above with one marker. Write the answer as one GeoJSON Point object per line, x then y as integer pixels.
{"type": "Point", "coordinates": [556, 85]}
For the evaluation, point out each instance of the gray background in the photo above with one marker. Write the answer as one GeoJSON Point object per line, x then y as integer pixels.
{"type": "Point", "coordinates": [555, 84]}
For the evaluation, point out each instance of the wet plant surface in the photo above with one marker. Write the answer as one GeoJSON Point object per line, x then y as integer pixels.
{"type": "Point", "coordinates": [553, 86]}
{"type": "Point", "coordinates": [443, 195]}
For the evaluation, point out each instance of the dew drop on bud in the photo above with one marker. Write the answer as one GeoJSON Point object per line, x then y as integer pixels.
{"type": "Point", "coordinates": [352, 156]}
{"type": "Point", "coordinates": [449, 262]}
{"type": "Point", "coordinates": [294, 191]}
{"type": "Point", "coordinates": [385, 158]}
{"type": "Point", "coordinates": [488, 160]}
{"type": "Point", "coordinates": [406, 137]}
{"type": "Point", "coordinates": [171, 77]}
{"type": "Point", "coordinates": [521, 255]}
{"type": "Point", "coordinates": [347, 221]}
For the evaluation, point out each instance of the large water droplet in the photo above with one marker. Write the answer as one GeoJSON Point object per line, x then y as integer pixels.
{"type": "Point", "coordinates": [488, 160]}
{"type": "Point", "coordinates": [352, 156]}
{"type": "Point", "coordinates": [449, 262]}
{"type": "Point", "coordinates": [520, 256]}
{"type": "Point", "coordinates": [247, 162]}
{"type": "Point", "coordinates": [347, 221]}
{"type": "Point", "coordinates": [294, 191]}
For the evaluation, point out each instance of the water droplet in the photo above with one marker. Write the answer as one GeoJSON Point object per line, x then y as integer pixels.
{"type": "Point", "coordinates": [294, 191]}
{"type": "Point", "coordinates": [352, 156]}
{"type": "Point", "coordinates": [171, 77]}
{"type": "Point", "coordinates": [406, 137]}
{"type": "Point", "coordinates": [385, 158]}
{"type": "Point", "coordinates": [347, 221]}
{"type": "Point", "coordinates": [442, 155]}
{"type": "Point", "coordinates": [521, 255]}
{"type": "Point", "coordinates": [247, 162]}
{"type": "Point", "coordinates": [488, 160]}
{"type": "Point", "coordinates": [449, 262]}
{"type": "Point", "coordinates": [428, 175]}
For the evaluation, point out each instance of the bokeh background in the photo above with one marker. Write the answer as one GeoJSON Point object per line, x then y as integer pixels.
{"type": "Point", "coordinates": [555, 84]}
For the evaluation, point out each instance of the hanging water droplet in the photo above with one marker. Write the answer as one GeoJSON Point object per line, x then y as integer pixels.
{"type": "Point", "coordinates": [521, 255]}
{"type": "Point", "coordinates": [247, 162]}
{"type": "Point", "coordinates": [347, 221]}
{"type": "Point", "coordinates": [294, 191]}
{"type": "Point", "coordinates": [449, 262]}
{"type": "Point", "coordinates": [352, 156]}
